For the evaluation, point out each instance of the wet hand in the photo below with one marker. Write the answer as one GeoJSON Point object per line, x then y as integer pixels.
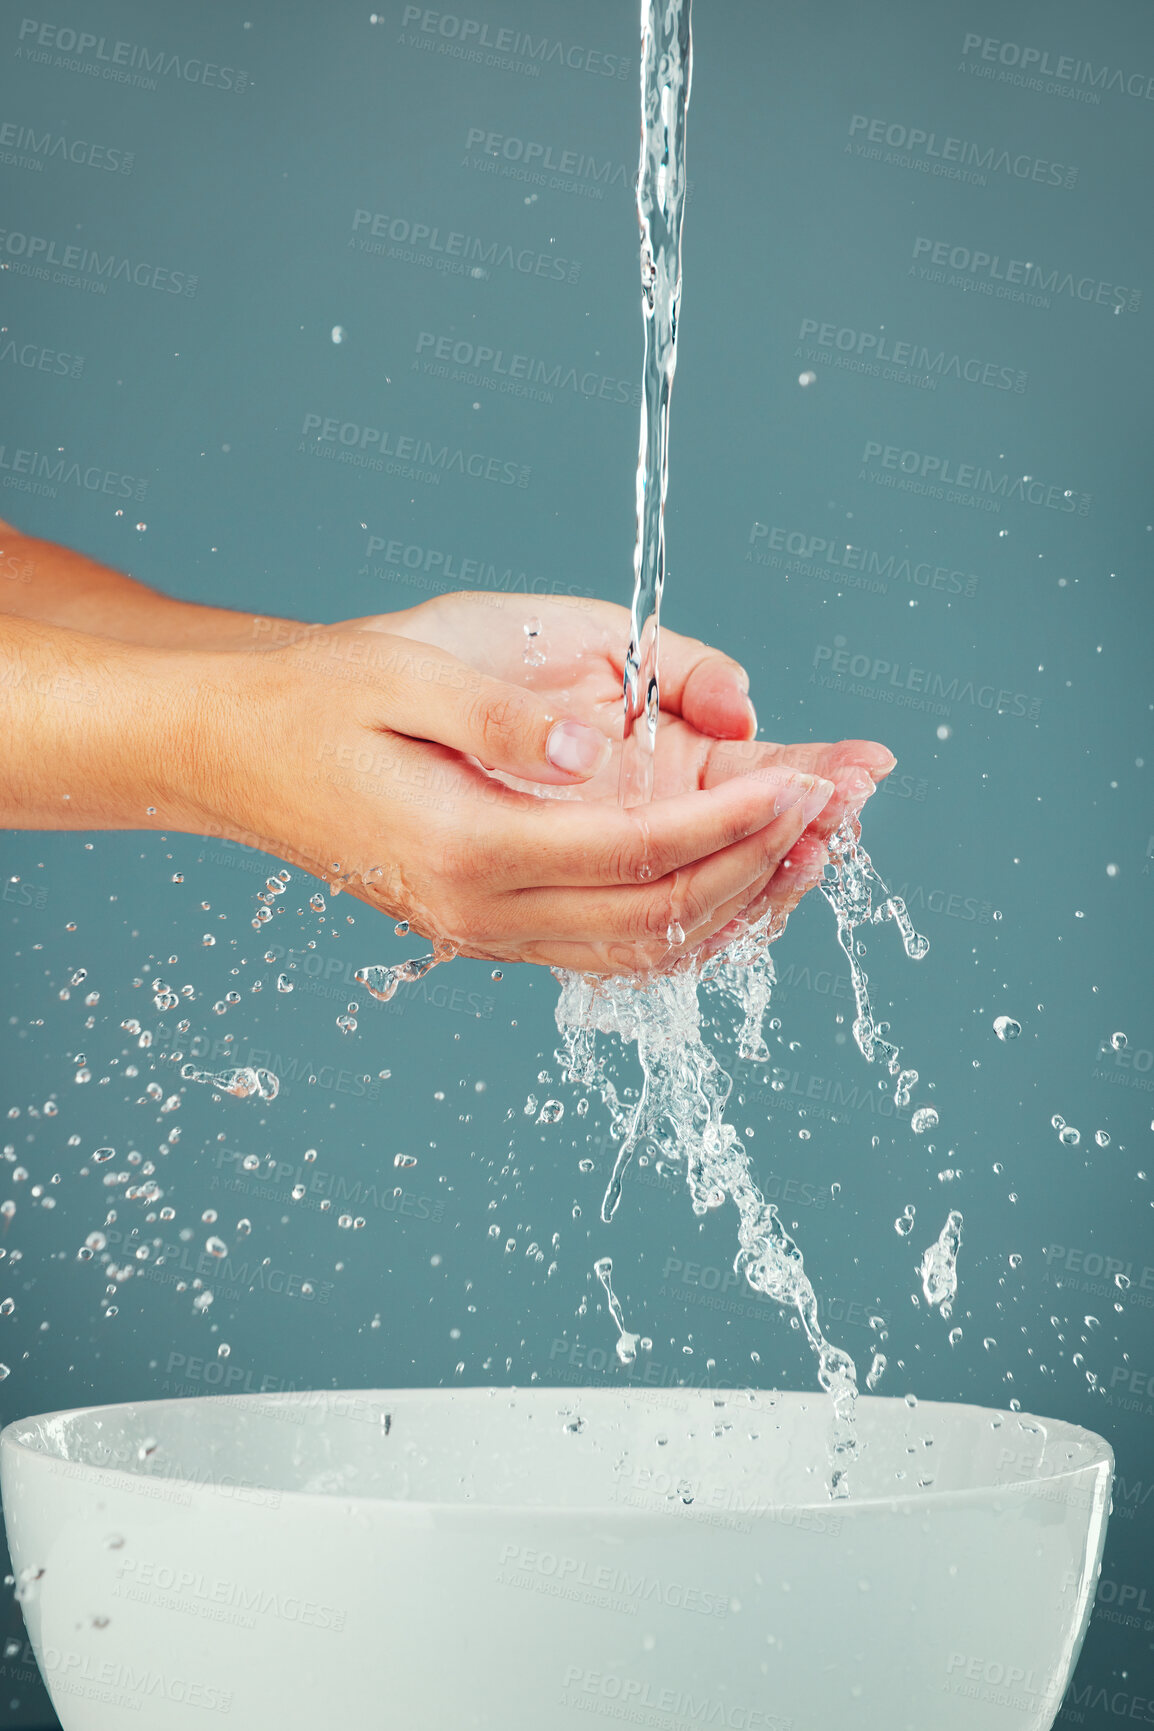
{"type": "Point", "coordinates": [570, 653]}
{"type": "Point", "coordinates": [394, 767]}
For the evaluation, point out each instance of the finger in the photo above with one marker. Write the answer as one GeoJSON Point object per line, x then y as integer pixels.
{"type": "Point", "coordinates": [800, 872]}
{"type": "Point", "coordinates": [431, 695]}
{"type": "Point", "coordinates": [690, 899]}
{"type": "Point", "coordinates": [819, 758]}
{"type": "Point", "coordinates": [519, 841]}
{"type": "Point", "coordinates": [707, 689]}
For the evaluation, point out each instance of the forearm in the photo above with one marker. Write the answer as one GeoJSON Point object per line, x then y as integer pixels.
{"type": "Point", "coordinates": [42, 580]}
{"type": "Point", "coordinates": [100, 734]}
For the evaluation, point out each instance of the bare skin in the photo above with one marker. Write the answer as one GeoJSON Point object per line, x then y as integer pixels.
{"type": "Point", "coordinates": [405, 756]}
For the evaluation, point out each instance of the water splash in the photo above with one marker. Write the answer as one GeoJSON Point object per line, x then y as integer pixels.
{"type": "Point", "coordinates": [382, 980]}
{"type": "Point", "coordinates": [679, 1112]}
{"type": "Point", "coordinates": [858, 897]}
{"type": "Point", "coordinates": [666, 75]}
{"type": "Point", "coordinates": [939, 1265]}
{"type": "Point", "coordinates": [627, 1343]}
{"type": "Point", "coordinates": [243, 1083]}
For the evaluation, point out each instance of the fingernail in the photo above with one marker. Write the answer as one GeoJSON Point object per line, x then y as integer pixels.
{"type": "Point", "coordinates": [752, 713]}
{"type": "Point", "coordinates": [575, 748]}
{"type": "Point", "coordinates": [859, 788]}
{"type": "Point", "coordinates": [809, 791]}
{"type": "Point", "coordinates": [816, 799]}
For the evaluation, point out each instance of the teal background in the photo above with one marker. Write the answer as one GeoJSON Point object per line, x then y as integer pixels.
{"type": "Point", "coordinates": [1034, 646]}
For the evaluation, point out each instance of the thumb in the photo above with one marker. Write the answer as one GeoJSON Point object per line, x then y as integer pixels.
{"type": "Point", "coordinates": [504, 726]}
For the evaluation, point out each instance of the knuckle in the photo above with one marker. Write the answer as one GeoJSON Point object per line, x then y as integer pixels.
{"type": "Point", "coordinates": [648, 916]}
{"type": "Point", "coordinates": [627, 855]}
{"type": "Point", "coordinates": [694, 908]}
{"type": "Point", "coordinates": [496, 720]}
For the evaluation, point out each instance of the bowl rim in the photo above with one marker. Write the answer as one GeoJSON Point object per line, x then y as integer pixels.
{"type": "Point", "coordinates": [18, 1438]}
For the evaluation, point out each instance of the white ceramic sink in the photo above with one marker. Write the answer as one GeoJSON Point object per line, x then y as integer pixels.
{"type": "Point", "coordinates": [536, 1560]}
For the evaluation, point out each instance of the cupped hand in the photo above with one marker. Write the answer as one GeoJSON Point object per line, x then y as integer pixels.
{"type": "Point", "coordinates": [570, 654]}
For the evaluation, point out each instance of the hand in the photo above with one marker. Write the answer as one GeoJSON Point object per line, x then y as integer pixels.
{"type": "Point", "coordinates": [365, 754]}
{"type": "Point", "coordinates": [575, 661]}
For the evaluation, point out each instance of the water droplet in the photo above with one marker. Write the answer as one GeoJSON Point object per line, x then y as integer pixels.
{"type": "Point", "coordinates": [216, 1247]}
{"type": "Point", "coordinates": [551, 1112]}
{"type": "Point", "coordinates": [1006, 1028]}
{"type": "Point", "coordinates": [1102, 1138]}
{"type": "Point", "coordinates": [496, 974]}
{"type": "Point", "coordinates": [1118, 1041]}
{"type": "Point", "coordinates": [404, 1160]}
{"type": "Point", "coordinates": [533, 654]}
{"type": "Point", "coordinates": [1069, 1137]}
{"type": "Point", "coordinates": [283, 983]}
{"type": "Point", "coordinates": [904, 1224]}
{"type": "Point", "coordinates": [923, 1119]}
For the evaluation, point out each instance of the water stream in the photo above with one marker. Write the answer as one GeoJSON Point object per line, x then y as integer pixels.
{"type": "Point", "coordinates": [666, 74]}
{"type": "Point", "coordinates": [679, 1112]}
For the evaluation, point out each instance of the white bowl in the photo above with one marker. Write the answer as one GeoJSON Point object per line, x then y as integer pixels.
{"type": "Point", "coordinates": [446, 1560]}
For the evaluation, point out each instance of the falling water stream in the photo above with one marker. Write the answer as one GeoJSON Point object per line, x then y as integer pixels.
{"type": "Point", "coordinates": [679, 1113]}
